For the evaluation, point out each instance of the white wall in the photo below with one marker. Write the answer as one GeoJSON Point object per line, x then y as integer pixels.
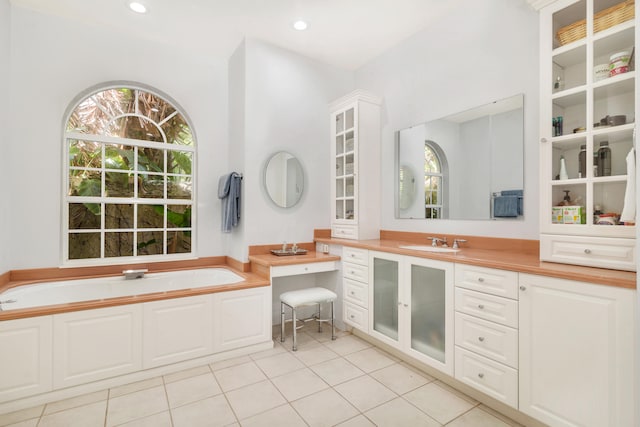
{"type": "Point", "coordinates": [286, 99]}
{"type": "Point", "coordinates": [53, 60]}
{"type": "Point", "coordinates": [5, 171]}
{"type": "Point", "coordinates": [484, 52]}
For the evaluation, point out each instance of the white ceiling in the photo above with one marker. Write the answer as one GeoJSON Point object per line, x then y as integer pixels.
{"type": "Point", "coordinates": [344, 33]}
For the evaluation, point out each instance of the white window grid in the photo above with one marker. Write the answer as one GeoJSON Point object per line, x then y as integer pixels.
{"type": "Point", "coordinates": [136, 200]}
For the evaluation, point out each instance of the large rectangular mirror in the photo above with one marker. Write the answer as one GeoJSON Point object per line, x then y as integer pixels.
{"type": "Point", "coordinates": [468, 165]}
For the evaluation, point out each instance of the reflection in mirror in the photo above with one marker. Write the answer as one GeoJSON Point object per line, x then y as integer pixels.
{"type": "Point", "coordinates": [284, 179]}
{"type": "Point", "coordinates": [465, 166]}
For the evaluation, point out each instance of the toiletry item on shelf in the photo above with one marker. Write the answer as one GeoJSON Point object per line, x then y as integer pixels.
{"type": "Point", "coordinates": [619, 63]}
{"type": "Point", "coordinates": [558, 84]}
{"type": "Point", "coordinates": [595, 163]}
{"type": "Point", "coordinates": [616, 120]}
{"type": "Point", "coordinates": [608, 219]}
{"type": "Point", "coordinates": [628, 215]}
{"type": "Point", "coordinates": [596, 213]}
{"type": "Point", "coordinates": [554, 124]}
{"type": "Point", "coordinates": [563, 168]}
{"type": "Point", "coordinates": [566, 201]}
{"type": "Point", "coordinates": [604, 159]}
{"type": "Point", "coordinates": [580, 129]}
{"type": "Point", "coordinates": [600, 72]}
{"type": "Point", "coordinates": [582, 162]}
{"type": "Point", "coordinates": [559, 127]}
{"type": "Point", "coordinates": [557, 215]}
{"type": "Point", "coordinates": [574, 215]}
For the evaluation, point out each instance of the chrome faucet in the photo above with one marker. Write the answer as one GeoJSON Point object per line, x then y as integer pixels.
{"type": "Point", "coordinates": [134, 274]}
{"type": "Point", "coordinates": [435, 240]}
{"type": "Point", "coordinates": [456, 243]}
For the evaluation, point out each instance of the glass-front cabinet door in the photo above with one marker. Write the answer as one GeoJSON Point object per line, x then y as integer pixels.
{"type": "Point", "coordinates": [430, 334]}
{"type": "Point", "coordinates": [385, 271]}
{"type": "Point", "coordinates": [413, 306]}
{"type": "Point", "coordinates": [345, 155]}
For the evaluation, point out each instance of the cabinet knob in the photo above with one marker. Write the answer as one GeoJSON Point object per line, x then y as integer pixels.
{"type": "Point", "coordinates": [523, 288]}
{"type": "Point", "coordinates": [353, 293]}
{"type": "Point", "coordinates": [353, 255]}
{"type": "Point", "coordinates": [481, 306]}
{"type": "Point", "coordinates": [480, 279]}
{"type": "Point", "coordinates": [406, 305]}
{"type": "Point", "coordinates": [481, 339]}
{"type": "Point", "coordinates": [399, 303]}
{"type": "Point", "coordinates": [587, 251]}
{"type": "Point", "coordinates": [543, 139]}
{"type": "Point", "coordinates": [352, 316]}
{"type": "Point", "coordinates": [480, 375]}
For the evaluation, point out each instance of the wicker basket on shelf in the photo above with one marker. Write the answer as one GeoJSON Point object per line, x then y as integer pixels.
{"type": "Point", "coordinates": [602, 20]}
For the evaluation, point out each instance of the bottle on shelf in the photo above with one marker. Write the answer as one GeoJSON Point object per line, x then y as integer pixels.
{"type": "Point", "coordinates": [604, 159]}
{"type": "Point", "coordinates": [563, 168]}
{"type": "Point", "coordinates": [582, 162]}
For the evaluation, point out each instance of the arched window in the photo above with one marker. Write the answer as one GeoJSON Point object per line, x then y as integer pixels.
{"type": "Point", "coordinates": [129, 157]}
{"type": "Point", "coordinates": [433, 180]}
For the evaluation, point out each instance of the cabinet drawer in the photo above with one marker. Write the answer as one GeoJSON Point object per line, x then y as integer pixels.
{"type": "Point", "coordinates": [355, 255]}
{"type": "Point", "coordinates": [307, 268]}
{"type": "Point", "coordinates": [356, 272]}
{"type": "Point", "coordinates": [356, 293]}
{"type": "Point", "coordinates": [488, 307]}
{"type": "Point", "coordinates": [356, 316]}
{"type": "Point", "coordinates": [344, 232]}
{"type": "Point", "coordinates": [497, 342]}
{"type": "Point", "coordinates": [591, 251]}
{"type": "Point", "coordinates": [490, 280]}
{"type": "Point", "coordinates": [493, 378]}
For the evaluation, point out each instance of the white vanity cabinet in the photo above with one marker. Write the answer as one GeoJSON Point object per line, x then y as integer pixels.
{"type": "Point", "coordinates": [25, 357]}
{"type": "Point", "coordinates": [90, 345]}
{"type": "Point", "coordinates": [577, 352]}
{"type": "Point", "coordinates": [177, 329]}
{"type": "Point", "coordinates": [411, 306]}
{"type": "Point", "coordinates": [355, 157]}
{"type": "Point", "coordinates": [596, 109]}
{"type": "Point", "coordinates": [355, 287]}
{"type": "Point", "coordinates": [486, 331]}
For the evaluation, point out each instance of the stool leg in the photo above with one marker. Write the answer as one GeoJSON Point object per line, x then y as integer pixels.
{"type": "Point", "coordinates": [295, 339]}
{"type": "Point", "coordinates": [281, 322]}
{"type": "Point", "coordinates": [333, 326]}
{"type": "Point", "coordinates": [319, 319]}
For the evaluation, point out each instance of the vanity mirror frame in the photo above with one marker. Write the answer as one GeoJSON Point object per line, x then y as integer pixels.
{"type": "Point", "coordinates": [453, 142]}
{"type": "Point", "coordinates": [283, 179]}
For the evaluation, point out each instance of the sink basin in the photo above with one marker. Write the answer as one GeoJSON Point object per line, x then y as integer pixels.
{"type": "Point", "coordinates": [429, 248]}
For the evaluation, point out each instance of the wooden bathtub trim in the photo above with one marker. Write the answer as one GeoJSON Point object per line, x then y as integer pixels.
{"type": "Point", "coordinates": [58, 273]}
{"type": "Point", "coordinates": [245, 267]}
{"type": "Point", "coordinates": [5, 278]}
{"type": "Point", "coordinates": [251, 281]}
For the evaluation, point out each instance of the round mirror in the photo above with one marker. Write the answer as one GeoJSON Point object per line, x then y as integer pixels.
{"type": "Point", "coordinates": [284, 179]}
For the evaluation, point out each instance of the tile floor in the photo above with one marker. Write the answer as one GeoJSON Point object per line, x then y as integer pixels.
{"type": "Point", "coordinates": [346, 382]}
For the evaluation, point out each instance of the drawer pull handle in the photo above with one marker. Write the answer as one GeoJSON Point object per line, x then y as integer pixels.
{"type": "Point", "coordinates": [480, 279]}
{"type": "Point", "coordinates": [353, 293]}
{"type": "Point", "coordinates": [406, 305]}
{"type": "Point", "coordinates": [523, 288]}
{"type": "Point", "coordinates": [587, 251]}
{"type": "Point", "coordinates": [480, 375]}
{"type": "Point", "coordinates": [352, 272]}
{"type": "Point", "coordinates": [352, 316]}
{"type": "Point", "coordinates": [481, 339]}
{"type": "Point", "coordinates": [353, 255]}
{"type": "Point", "coordinates": [481, 306]}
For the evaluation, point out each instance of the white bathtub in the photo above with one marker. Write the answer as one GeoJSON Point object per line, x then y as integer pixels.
{"type": "Point", "coordinates": [69, 291]}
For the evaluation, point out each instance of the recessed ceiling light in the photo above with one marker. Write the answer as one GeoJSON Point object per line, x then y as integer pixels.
{"type": "Point", "coordinates": [137, 7]}
{"type": "Point", "coordinates": [300, 25]}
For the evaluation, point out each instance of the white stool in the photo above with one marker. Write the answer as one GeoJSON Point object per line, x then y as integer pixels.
{"type": "Point", "coordinates": [303, 297]}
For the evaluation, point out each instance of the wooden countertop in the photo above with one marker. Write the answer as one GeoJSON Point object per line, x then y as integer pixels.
{"type": "Point", "coordinates": [509, 259]}
{"type": "Point", "coordinates": [270, 260]}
